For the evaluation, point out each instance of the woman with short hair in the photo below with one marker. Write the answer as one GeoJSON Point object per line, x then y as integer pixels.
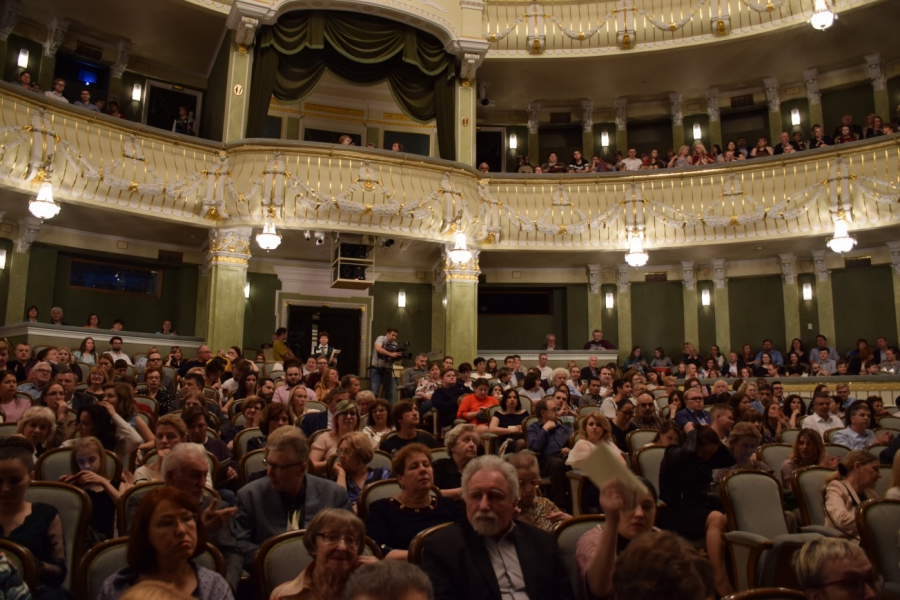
{"type": "Point", "coordinates": [351, 470]}
{"type": "Point", "coordinates": [38, 426]}
{"type": "Point", "coordinates": [275, 415]}
{"type": "Point", "coordinates": [346, 419]}
{"type": "Point", "coordinates": [536, 510]}
{"type": "Point", "coordinates": [462, 443]}
{"type": "Point", "coordinates": [853, 484]}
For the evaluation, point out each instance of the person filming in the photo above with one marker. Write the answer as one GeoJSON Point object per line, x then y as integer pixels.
{"type": "Point", "coordinates": [387, 351]}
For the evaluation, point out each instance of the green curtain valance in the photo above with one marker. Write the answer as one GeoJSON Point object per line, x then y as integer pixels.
{"type": "Point", "coordinates": [292, 55]}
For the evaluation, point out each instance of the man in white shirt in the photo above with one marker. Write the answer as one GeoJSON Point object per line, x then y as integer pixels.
{"type": "Point", "coordinates": [822, 418]}
{"type": "Point", "coordinates": [59, 85]}
{"type": "Point", "coordinates": [632, 163]}
{"type": "Point", "coordinates": [546, 372]}
{"type": "Point", "coordinates": [621, 391]}
{"type": "Point", "coordinates": [115, 350]}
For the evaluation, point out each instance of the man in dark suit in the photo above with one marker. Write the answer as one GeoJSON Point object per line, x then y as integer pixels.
{"type": "Point", "coordinates": [286, 499]}
{"type": "Point", "coordinates": [489, 556]}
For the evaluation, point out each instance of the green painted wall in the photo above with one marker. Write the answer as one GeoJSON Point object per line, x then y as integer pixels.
{"type": "Point", "coordinates": [577, 326]}
{"type": "Point", "coordinates": [858, 101]}
{"type": "Point", "coordinates": [568, 322]}
{"type": "Point", "coordinates": [750, 124]}
{"type": "Point", "coordinates": [756, 305]}
{"type": "Point", "coordinates": [413, 322]}
{"type": "Point", "coordinates": [801, 104]}
{"type": "Point", "coordinates": [212, 126]}
{"type": "Point", "coordinates": [893, 86]}
{"type": "Point", "coordinates": [11, 69]}
{"type": "Point", "coordinates": [863, 299]}
{"type": "Point", "coordinates": [6, 245]}
{"type": "Point", "coordinates": [657, 316]}
{"type": "Point", "coordinates": [610, 318]}
{"type": "Point", "coordinates": [259, 310]}
{"type": "Point", "coordinates": [706, 317]}
{"type": "Point", "coordinates": [809, 312]}
{"type": "Point", "coordinates": [141, 313]}
{"type": "Point", "coordinates": [608, 153]}
{"type": "Point", "coordinates": [645, 136]}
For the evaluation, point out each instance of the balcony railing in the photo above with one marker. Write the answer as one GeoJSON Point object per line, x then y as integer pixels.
{"type": "Point", "coordinates": [100, 161]}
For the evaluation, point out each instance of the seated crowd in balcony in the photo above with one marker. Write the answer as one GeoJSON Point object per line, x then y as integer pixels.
{"type": "Point", "coordinates": [319, 432]}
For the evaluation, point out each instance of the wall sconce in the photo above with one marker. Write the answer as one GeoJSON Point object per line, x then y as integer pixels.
{"type": "Point", "coordinates": [610, 300]}
{"type": "Point", "coordinates": [807, 291]}
{"type": "Point", "coordinates": [136, 92]}
{"type": "Point", "coordinates": [697, 131]}
{"type": "Point", "coordinates": [2, 259]}
{"type": "Point", "coordinates": [604, 139]}
{"type": "Point", "coordinates": [795, 117]}
{"type": "Point", "coordinates": [513, 141]}
{"type": "Point", "coordinates": [704, 297]}
{"type": "Point", "coordinates": [247, 290]}
{"type": "Point", "coordinates": [401, 300]}
{"type": "Point", "coordinates": [23, 59]}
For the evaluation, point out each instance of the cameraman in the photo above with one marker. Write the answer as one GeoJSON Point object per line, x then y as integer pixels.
{"type": "Point", "coordinates": [386, 352]}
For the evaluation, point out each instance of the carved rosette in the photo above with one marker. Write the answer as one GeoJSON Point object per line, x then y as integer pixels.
{"type": "Point", "coordinates": [229, 247]}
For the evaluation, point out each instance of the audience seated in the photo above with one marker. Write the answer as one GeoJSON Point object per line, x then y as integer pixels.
{"type": "Point", "coordinates": [850, 486]}
{"type": "Point", "coordinates": [166, 535]}
{"type": "Point", "coordinates": [104, 423]}
{"type": "Point", "coordinates": [196, 418]}
{"type": "Point", "coordinates": [394, 522]}
{"type": "Point", "coordinates": [388, 580]}
{"type": "Point", "coordinates": [346, 419]}
{"type": "Point", "coordinates": [38, 426]}
{"type": "Point", "coordinates": [662, 565]}
{"type": "Point", "coordinates": [170, 431]}
{"type": "Point", "coordinates": [808, 450]}
{"type": "Point", "coordinates": [535, 510]}
{"type": "Point", "coordinates": [743, 442]}
{"type": "Point", "coordinates": [518, 561]}
{"type": "Point", "coordinates": [836, 569]}
{"type": "Point", "coordinates": [273, 416]}
{"type": "Point", "coordinates": [549, 440]}
{"type": "Point", "coordinates": [857, 435]}
{"type": "Point", "coordinates": [286, 499]}
{"type": "Point", "coordinates": [405, 415]}
{"type": "Point", "coordinates": [462, 443]}
{"type": "Point", "coordinates": [89, 473]}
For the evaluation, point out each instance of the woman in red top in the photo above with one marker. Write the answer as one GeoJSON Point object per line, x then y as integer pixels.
{"type": "Point", "coordinates": [474, 407]}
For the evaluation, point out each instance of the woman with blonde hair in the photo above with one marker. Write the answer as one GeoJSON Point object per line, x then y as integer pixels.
{"type": "Point", "coordinates": [38, 426]}
{"type": "Point", "coordinates": [743, 442]}
{"type": "Point", "coordinates": [681, 159]}
{"type": "Point", "coordinates": [852, 485]}
{"type": "Point", "coordinates": [593, 430]}
{"type": "Point", "coordinates": [330, 380]}
{"type": "Point", "coordinates": [88, 468]}
{"type": "Point", "coordinates": [701, 156]}
{"type": "Point", "coordinates": [170, 431]}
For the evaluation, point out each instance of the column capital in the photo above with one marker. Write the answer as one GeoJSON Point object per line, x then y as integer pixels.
{"type": "Point", "coordinates": [894, 248]}
{"type": "Point", "coordinates": [787, 268]}
{"type": "Point", "coordinates": [675, 108]}
{"type": "Point", "coordinates": [812, 86]}
{"type": "Point", "coordinates": [468, 65]}
{"type": "Point", "coordinates": [451, 271]}
{"type": "Point", "coordinates": [623, 278]}
{"type": "Point", "coordinates": [772, 98]}
{"type": "Point", "coordinates": [28, 230]}
{"type": "Point", "coordinates": [534, 120]}
{"type": "Point", "coordinates": [621, 113]}
{"type": "Point", "coordinates": [819, 261]}
{"type": "Point", "coordinates": [118, 69]}
{"type": "Point", "coordinates": [593, 279]}
{"type": "Point", "coordinates": [11, 11]}
{"type": "Point", "coordinates": [56, 33]}
{"type": "Point", "coordinates": [719, 272]}
{"type": "Point", "coordinates": [712, 103]}
{"type": "Point", "coordinates": [229, 247]}
{"type": "Point", "coordinates": [876, 71]}
{"type": "Point", "coordinates": [587, 115]}
{"type": "Point", "coordinates": [687, 270]}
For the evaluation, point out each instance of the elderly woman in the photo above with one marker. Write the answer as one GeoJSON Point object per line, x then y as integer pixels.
{"type": "Point", "coordinates": [35, 525]}
{"type": "Point", "coordinates": [743, 442]}
{"type": "Point", "coordinates": [334, 539]}
{"type": "Point", "coordinates": [394, 522]}
{"type": "Point", "coordinates": [808, 450]}
{"type": "Point", "coordinates": [346, 419]}
{"type": "Point", "coordinates": [426, 386]}
{"type": "Point", "coordinates": [54, 398]}
{"type": "Point", "coordinates": [627, 517]}
{"type": "Point", "coordinates": [166, 535]}
{"type": "Point", "coordinates": [536, 510]}
{"type": "Point", "coordinates": [170, 431]}
{"type": "Point", "coordinates": [351, 470]}
{"type": "Point", "coordinates": [835, 568]}
{"type": "Point", "coordinates": [560, 379]}
{"type": "Point", "coordinates": [852, 485]}
{"type": "Point", "coordinates": [462, 442]}
{"type": "Point", "coordinates": [275, 415]}
{"type": "Point", "coordinates": [252, 408]}
{"type": "Point", "coordinates": [38, 426]}
{"type": "Point", "coordinates": [157, 391]}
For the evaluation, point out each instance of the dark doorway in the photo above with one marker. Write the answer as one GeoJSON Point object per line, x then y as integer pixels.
{"type": "Point", "coordinates": [305, 323]}
{"type": "Point", "coordinates": [163, 108]}
{"type": "Point", "coordinates": [489, 149]}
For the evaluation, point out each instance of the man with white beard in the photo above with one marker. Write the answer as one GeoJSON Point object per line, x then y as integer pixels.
{"type": "Point", "coordinates": [489, 555]}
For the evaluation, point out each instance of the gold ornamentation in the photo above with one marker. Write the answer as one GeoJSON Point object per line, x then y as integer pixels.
{"type": "Point", "coordinates": [492, 38]}
{"type": "Point", "coordinates": [720, 28]}
{"type": "Point", "coordinates": [769, 6]}
{"type": "Point", "coordinates": [673, 27]}
{"type": "Point", "coordinates": [231, 260]}
{"type": "Point", "coordinates": [580, 36]}
{"type": "Point", "coordinates": [461, 277]}
{"type": "Point", "coordinates": [626, 41]}
{"type": "Point", "coordinates": [242, 49]}
{"type": "Point", "coordinates": [536, 47]}
{"type": "Point", "coordinates": [466, 83]}
{"type": "Point", "coordinates": [335, 110]}
{"type": "Point", "coordinates": [213, 215]}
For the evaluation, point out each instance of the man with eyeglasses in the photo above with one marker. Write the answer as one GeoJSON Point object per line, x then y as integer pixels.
{"type": "Point", "coordinates": [286, 499]}
{"type": "Point", "coordinates": [154, 361]}
{"type": "Point", "coordinates": [41, 374]}
{"type": "Point", "coordinates": [692, 412]}
{"type": "Point", "coordinates": [822, 418]}
{"type": "Point", "coordinates": [836, 569]}
{"type": "Point", "coordinates": [621, 425]}
{"type": "Point", "coordinates": [646, 416]}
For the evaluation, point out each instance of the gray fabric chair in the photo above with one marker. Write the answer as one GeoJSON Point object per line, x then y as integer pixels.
{"type": "Point", "coordinates": [878, 522]}
{"type": "Point", "coordinates": [380, 458]}
{"type": "Point", "coordinates": [647, 463]}
{"type": "Point", "coordinates": [809, 482]}
{"type": "Point", "coordinates": [639, 438]}
{"type": "Point", "coordinates": [55, 463]}
{"type": "Point", "coordinates": [74, 508]}
{"type": "Point", "coordinates": [385, 488]}
{"type": "Point", "coordinates": [788, 436]}
{"type": "Point", "coordinates": [774, 455]}
{"type": "Point", "coordinates": [567, 535]}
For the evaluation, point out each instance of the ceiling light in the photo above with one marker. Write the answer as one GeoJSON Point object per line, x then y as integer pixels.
{"type": "Point", "coordinates": [460, 253]}
{"type": "Point", "coordinates": [636, 256]}
{"type": "Point", "coordinates": [401, 299]}
{"type": "Point", "coordinates": [604, 139]}
{"type": "Point", "coordinates": [44, 206]}
{"type": "Point", "coordinates": [268, 238]}
{"type": "Point", "coordinates": [704, 297]}
{"type": "Point", "coordinates": [823, 17]}
{"type": "Point", "coordinates": [841, 241]}
{"type": "Point", "coordinates": [23, 59]}
{"type": "Point", "coordinates": [610, 300]}
{"type": "Point", "coordinates": [136, 92]}
{"type": "Point", "coordinates": [795, 117]}
{"type": "Point", "coordinates": [247, 290]}
{"type": "Point", "coordinates": [807, 291]}
{"type": "Point", "coordinates": [513, 141]}
{"type": "Point", "coordinates": [697, 132]}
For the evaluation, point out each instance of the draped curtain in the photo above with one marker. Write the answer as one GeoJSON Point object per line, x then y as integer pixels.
{"type": "Point", "coordinates": [292, 55]}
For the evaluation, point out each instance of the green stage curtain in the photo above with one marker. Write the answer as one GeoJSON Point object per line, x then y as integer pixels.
{"type": "Point", "coordinates": [292, 55]}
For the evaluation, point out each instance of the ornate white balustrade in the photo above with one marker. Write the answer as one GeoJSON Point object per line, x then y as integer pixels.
{"type": "Point", "coordinates": [572, 27]}
{"type": "Point", "coordinates": [108, 163]}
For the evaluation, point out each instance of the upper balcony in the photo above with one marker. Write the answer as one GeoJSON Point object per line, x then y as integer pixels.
{"type": "Point", "coordinates": [105, 164]}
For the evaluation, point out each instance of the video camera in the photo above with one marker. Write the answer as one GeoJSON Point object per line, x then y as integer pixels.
{"type": "Point", "coordinates": [396, 347]}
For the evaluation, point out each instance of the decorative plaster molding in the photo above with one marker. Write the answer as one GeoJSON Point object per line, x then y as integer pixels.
{"type": "Point", "coordinates": [118, 69]}
{"type": "Point", "coordinates": [534, 121]}
{"type": "Point", "coordinates": [819, 261]}
{"type": "Point", "coordinates": [451, 271]}
{"type": "Point", "coordinates": [245, 33]}
{"type": "Point", "coordinates": [876, 71]}
{"type": "Point", "coordinates": [28, 230]}
{"type": "Point", "coordinates": [787, 268]}
{"type": "Point", "coordinates": [772, 98]}
{"type": "Point", "coordinates": [56, 33]}
{"type": "Point", "coordinates": [621, 114]}
{"type": "Point", "coordinates": [594, 279]}
{"type": "Point", "coordinates": [718, 265]}
{"type": "Point", "coordinates": [687, 270]}
{"type": "Point", "coordinates": [622, 279]}
{"type": "Point", "coordinates": [894, 248]}
{"type": "Point", "coordinates": [675, 108]}
{"type": "Point", "coordinates": [11, 11]}
{"type": "Point", "coordinates": [812, 86]}
{"type": "Point", "coordinates": [229, 247]}
{"type": "Point", "coordinates": [712, 104]}
{"type": "Point", "coordinates": [587, 115]}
